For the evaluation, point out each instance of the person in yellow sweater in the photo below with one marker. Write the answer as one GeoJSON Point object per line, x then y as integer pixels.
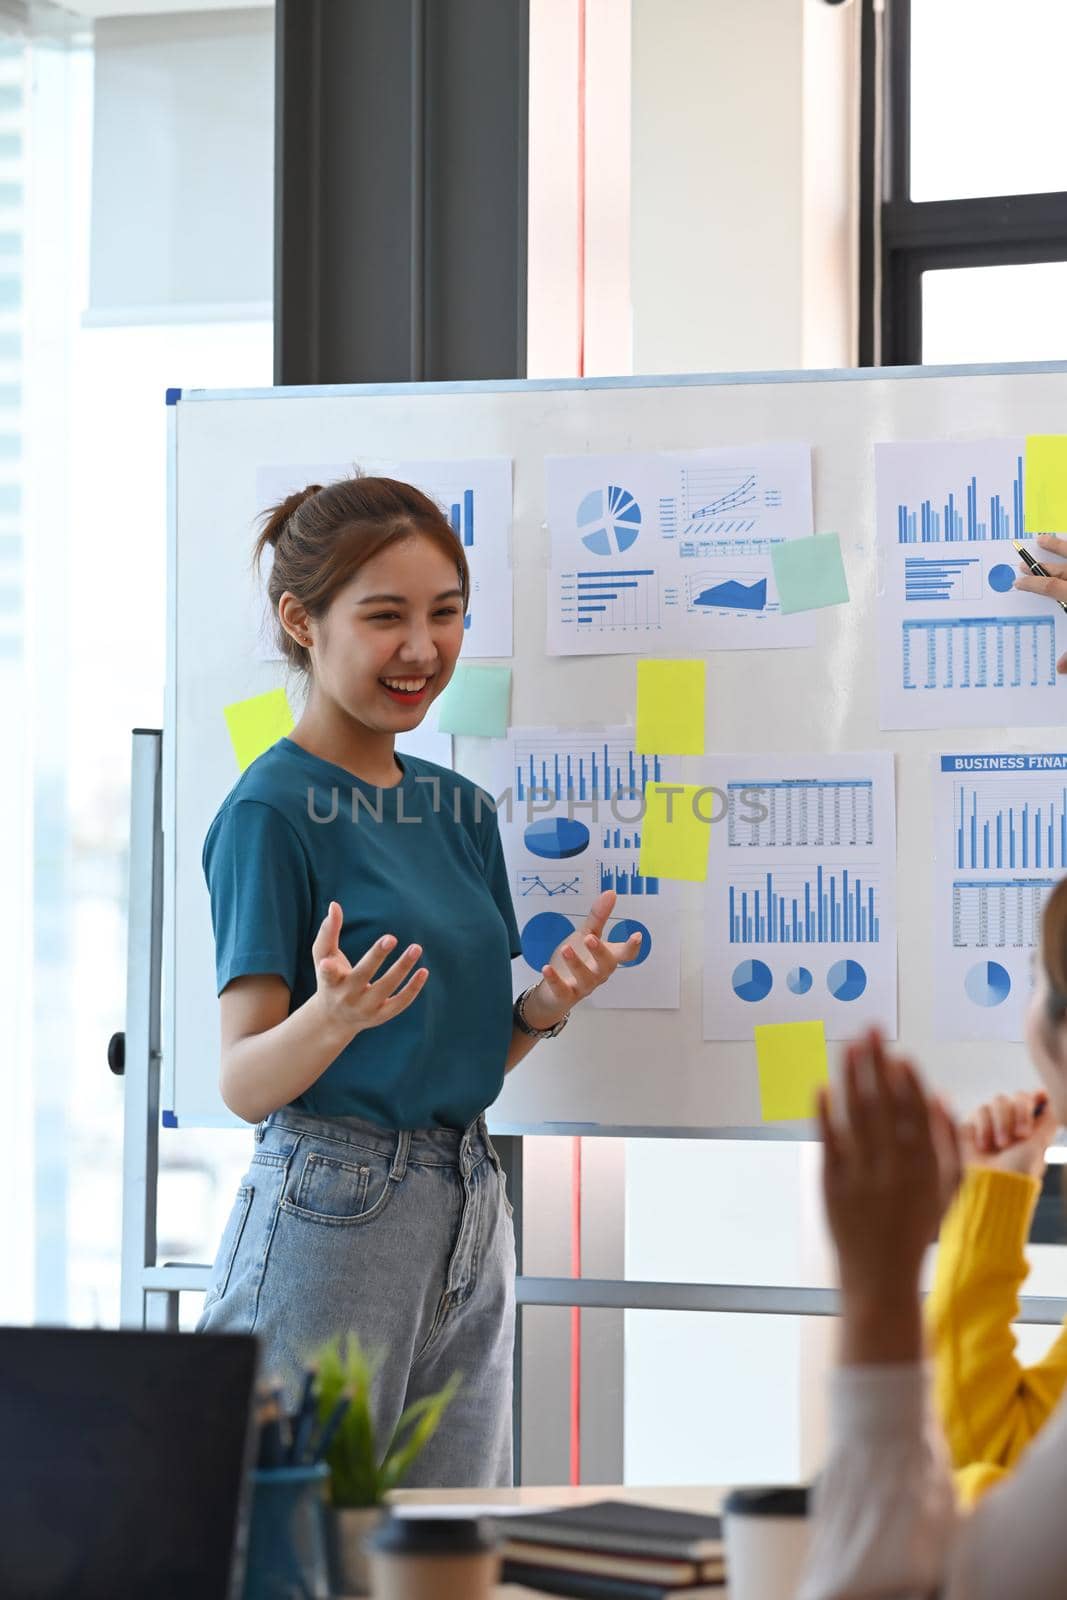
{"type": "Point", "coordinates": [990, 1405]}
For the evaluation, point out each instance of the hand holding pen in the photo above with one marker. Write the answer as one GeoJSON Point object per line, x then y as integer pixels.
{"type": "Point", "coordinates": [1037, 579]}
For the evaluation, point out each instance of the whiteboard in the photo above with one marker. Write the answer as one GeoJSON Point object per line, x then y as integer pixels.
{"type": "Point", "coordinates": [641, 1072]}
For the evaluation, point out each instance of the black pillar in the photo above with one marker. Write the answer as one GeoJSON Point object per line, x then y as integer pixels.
{"type": "Point", "coordinates": [400, 190]}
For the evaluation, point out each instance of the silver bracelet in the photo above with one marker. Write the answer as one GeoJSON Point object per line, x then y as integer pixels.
{"type": "Point", "coordinates": [519, 1017]}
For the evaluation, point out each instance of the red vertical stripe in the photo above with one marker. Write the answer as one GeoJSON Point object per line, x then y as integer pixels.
{"type": "Point", "coordinates": [576, 1313]}
{"type": "Point", "coordinates": [576, 1158]}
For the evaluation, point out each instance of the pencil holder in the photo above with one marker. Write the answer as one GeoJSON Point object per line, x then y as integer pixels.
{"type": "Point", "coordinates": [287, 1536]}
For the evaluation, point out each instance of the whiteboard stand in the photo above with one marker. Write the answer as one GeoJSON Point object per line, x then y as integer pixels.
{"type": "Point", "coordinates": [150, 1291]}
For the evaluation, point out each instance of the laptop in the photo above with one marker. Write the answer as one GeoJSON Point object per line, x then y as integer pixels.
{"type": "Point", "coordinates": [124, 1462]}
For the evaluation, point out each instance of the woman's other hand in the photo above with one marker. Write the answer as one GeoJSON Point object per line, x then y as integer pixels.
{"type": "Point", "coordinates": [1011, 1133]}
{"type": "Point", "coordinates": [1054, 587]}
{"type": "Point", "coordinates": [891, 1164]}
{"type": "Point", "coordinates": [579, 965]}
{"type": "Point", "coordinates": [351, 999]}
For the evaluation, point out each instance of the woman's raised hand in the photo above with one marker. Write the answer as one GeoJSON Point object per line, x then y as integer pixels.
{"type": "Point", "coordinates": [891, 1164]}
{"type": "Point", "coordinates": [1010, 1133]}
{"type": "Point", "coordinates": [350, 997]}
{"type": "Point", "coordinates": [582, 964]}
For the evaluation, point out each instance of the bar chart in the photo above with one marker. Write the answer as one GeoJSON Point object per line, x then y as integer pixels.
{"type": "Point", "coordinates": [964, 514]}
{"type": "Point", "coordinates": [563, 768]}
{"type": "Point", "coordinates": [998, 913]}
{"type": "Point", "coordinates": [627, 597]}
{"type": "Point", "coordinates": [996, 827]}
{"type": "Point", "coordinates": [827, 905]}
{"type": "Point", "coordinates": [945, 578]}
{"type": "Point", "coordinates": [624, 878]}
{"type": "Point", "coordinates": [825, 813]}
{"type": "Point", "coordinates": [978, 652]}
{"type": "Point", "coordinates": [461, 516]}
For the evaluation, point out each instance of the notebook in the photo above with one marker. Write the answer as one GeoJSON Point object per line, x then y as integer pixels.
{"type": "Point", "coordinates": [123, 1463]}
{"type": "Point", "coordinates": [622, 1527]}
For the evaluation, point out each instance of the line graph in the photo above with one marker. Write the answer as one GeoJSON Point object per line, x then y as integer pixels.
{"type": "Point", "coordinates": [552, 885]}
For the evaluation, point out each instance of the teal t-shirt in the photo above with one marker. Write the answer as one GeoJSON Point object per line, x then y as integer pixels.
{"type": "Point", "coordinates": [422, 861]}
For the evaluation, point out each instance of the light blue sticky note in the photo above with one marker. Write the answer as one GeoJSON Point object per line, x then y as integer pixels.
{"type": "Point", "coordinates": [476, 701]}
{"type": "Point", "coordinates": [809, 573]}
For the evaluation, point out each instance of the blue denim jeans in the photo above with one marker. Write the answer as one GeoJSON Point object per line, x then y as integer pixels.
{"type": "Point", "coordinates": [405, 1238]}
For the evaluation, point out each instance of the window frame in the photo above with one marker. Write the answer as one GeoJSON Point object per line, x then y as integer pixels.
{"type": "Point", "coordinates": [901, 238]}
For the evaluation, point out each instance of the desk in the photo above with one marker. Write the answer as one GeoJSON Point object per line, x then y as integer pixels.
{"type": "Point", "coordinates": [688, 1498]}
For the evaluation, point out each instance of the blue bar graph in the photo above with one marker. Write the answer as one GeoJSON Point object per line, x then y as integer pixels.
{"type": "Point", "coordinates": [834, 907]}
{"type": "Point", "coordinates": [462, 519]}
{"type": "Point", "coordinates": [624, 880]}
{"type": "Point", "coordinates": [613, 597]}
{"type": "Point", "coordinates": [1029, 833]}
{"type": "Point", "coordinates": [928, 578]}
{"type": "Point", "coordinates": [579, 774]}
{"type": "Point", "coordinates": [622, 839]}
{"type": "Point", "coordinates": [925, 524]}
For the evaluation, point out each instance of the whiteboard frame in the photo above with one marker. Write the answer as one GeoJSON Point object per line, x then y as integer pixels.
{"type": "Point", "coordinates": [793, 1132]}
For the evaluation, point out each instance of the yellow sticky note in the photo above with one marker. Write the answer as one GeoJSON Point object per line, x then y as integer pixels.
{"type": "Point", "coordinates": [670, 708]}
{"type": "Point", "coordinates": [1045, 483]}
{"type": "Point", "coordinates": [256, 724]}
{"type": "Point", "coordinates": [792, 1065]}
{"type": "Point", "coordinates": [675, 831]}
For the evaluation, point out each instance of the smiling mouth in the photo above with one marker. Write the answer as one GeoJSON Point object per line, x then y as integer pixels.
{"type": "Point", "coordinates": [409, 691]}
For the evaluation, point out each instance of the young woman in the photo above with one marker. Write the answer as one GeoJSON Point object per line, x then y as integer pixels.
{"type": "Point", "coordinates": [991, 1407]}
{"type": "Point", "coordinates": [375, 1200]}
{"type": "Point", "coordinates": [887, 1521]}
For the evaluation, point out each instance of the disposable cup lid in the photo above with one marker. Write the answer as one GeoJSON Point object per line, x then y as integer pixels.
{"type": "Point", "coordinates": [786, 1501]}
{"type": "Point", "coordinates": [418, 1536]}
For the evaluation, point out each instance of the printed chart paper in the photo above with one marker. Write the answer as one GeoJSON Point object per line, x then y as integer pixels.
{"type": "Point", "coordinates": [654, 553]}
{"type": "Point", "coordinates": [475, 496]}
{"type": "Point", "coordinates": [1000, 844]}
{"type": "Point", "coordinates": [800, 905]}
{"type": "Point", "coordinates": [570, 816]}
{"type": "Point", "coordinates": [959, 646]}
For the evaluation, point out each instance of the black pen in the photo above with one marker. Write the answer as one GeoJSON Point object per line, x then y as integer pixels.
{"type": "Point", "coordinates": [1035, 567]}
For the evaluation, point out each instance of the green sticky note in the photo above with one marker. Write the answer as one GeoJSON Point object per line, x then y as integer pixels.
{"type": "Point", "coordinates": [809, 573]}
{"type": "Point", "coordinates": [675, 831]}
{"type": "Point", "coordinates": [1045, 483]}
{"type": "Point", "coordinates": [792, 1065]}
{"type": "Point", "coordinates": [476, 701]}
{"type": "Point", "coordinates": [670, 708]}
{"type": "Point", "coordinates": [257, 723]}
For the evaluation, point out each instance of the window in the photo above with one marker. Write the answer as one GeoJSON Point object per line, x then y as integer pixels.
{"type": "Point", "coordinates": [964, 175]}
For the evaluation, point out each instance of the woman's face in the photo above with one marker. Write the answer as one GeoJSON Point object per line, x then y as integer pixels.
{"type": "Point", "coordinates": [1047, 1044]}
{"type": "Point", "coordinates": [389, 641]}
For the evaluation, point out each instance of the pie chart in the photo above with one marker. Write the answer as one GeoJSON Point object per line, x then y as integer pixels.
{"type": "Point", "coordinates": [987, 984]}
{"type": "Point", "coordinates": [1001, 577]}
{"type": "Point", "coordinates": [541, 935]}
{"type": "Point", "coordinates": [798, 980]}
{"type": "Point", "coordinates": [556, 838]}
{"type": "Point", "coordinates": [846, 980]}
{"type": "Point", "coordinates": [752, 981]}
{"type": "Point", "coordinates": [619, 932]}
{"type": "Point", "coordinates": [609, 520]}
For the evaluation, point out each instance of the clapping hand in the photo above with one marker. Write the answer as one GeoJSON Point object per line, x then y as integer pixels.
{"type": "Point", "coordinates": [579, 965]}
{"type": "Point", "coordinates": [891, 1164]}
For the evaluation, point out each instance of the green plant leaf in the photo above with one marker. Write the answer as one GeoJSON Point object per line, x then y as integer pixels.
{"type": "Point", "coordinates": [422, 1421]}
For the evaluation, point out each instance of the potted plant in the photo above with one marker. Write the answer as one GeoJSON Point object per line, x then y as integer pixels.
{"type": "Point", "coordinates": [361, 1472]}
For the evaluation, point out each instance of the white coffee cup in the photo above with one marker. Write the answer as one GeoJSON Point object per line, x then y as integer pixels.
{"type": "Point", "coordinates": [766, 1532]}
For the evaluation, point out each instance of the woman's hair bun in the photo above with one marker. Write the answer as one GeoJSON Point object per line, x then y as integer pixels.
{"type": "Point", "coordinates": [276, 519]}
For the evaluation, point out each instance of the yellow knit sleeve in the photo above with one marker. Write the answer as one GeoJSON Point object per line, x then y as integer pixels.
{"type": "Point", "coordinates": [990, 1406]}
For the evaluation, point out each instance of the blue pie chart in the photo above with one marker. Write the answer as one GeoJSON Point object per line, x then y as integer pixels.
{"type": "Point", "coordinates": [1001, 577]}
{"type": "Point", "coordinates": [621, 931]}
{"type": "Point", "coordinates": [846, 980]}
{"type": "Point", "coordinates": [541, 935]}
{"type": "Point", "coordinates": [987, 984]}
{"type": "Point", "coordinates": [609, 520]}
{"type": "Point", "coordinates": [798, 980]}
{"type": "Point", "coordinates": [556, 838]}
{"type": "Point", "coordinates": [752, 981]}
